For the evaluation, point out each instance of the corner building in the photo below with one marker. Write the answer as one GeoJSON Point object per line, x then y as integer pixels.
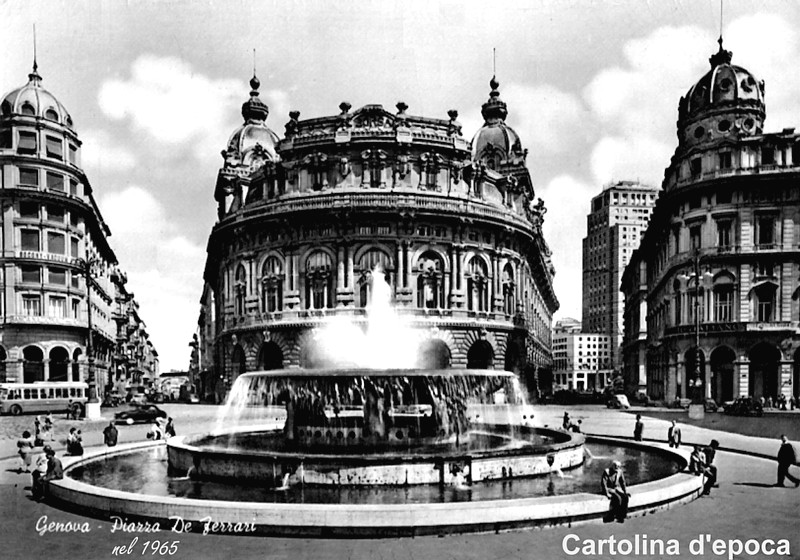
{"type": "Point", "coordinates": [51, 226]}
{"type": "Point", "coordinates": [305, 220]}
{"type": "Point", "coordinates": [719, 262]}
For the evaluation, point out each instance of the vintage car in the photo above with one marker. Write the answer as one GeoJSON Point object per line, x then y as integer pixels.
{"type": "Point", "coordinates": [139, 413]}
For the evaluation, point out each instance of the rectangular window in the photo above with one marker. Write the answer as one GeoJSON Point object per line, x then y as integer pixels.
{"type": "Point", "coordinates": [57, 276]}
{"type": "Point", "coordinates": [73, 247]}
{"type": "Point", "coordinates": [725, 160]}
{"type": "Point", "coordinates": [31, 305]}
{"type": "Point", "coordinates": [695, 202]}
{"type": "Point", "coordinates": [55, 213]}
{"type": "Point", "coordinates": [73, 154]}
{"type": "Point", "coordinates": [767, 156]}
{"type": "Point", "coordinates": [765, 310]}
{"type": "Point", "coordinates": [694, 236]}
{"type": "Point", "coordinates": [58, 306]}
{"type": "Point", "coordinates": [724, 234]}
{"type": "Point", "coordinates": [31, 274]}
{"type": "Point", "coordinates": [73, 219]}
{"type": "Point", "coordinates": [55, 244]}
{"type": "Point", "coordinates": [765, 232]}
{"type": "Point", "coordinates": [55, 147]}
{"type": "Point", "coordinates": [5, 138]}
{"type": "Point", "coordinates": [29, 177]}
{"type": "Point", "coordinates": [696, 167]}
{"type": "Point", "coordinates": [73, 187]}
{"type": "Point", "coordinates": [29, 240]}
{"type": "Point", "coordinates": [27, 142]}
{"type": "Point", "coordinates": [724, 197]}
{"type": "Point", "coordinates": [75, 280]}
{"type": "Point", "coordinates": [29, 210]}
{"type": "Point", "coordinates": [76, 308]}
{"type": "Point", "coordinates": [55, 182]}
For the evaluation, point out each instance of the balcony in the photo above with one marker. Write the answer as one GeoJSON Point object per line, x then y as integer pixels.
{"type": "Point", "coordinates": [40, 255]}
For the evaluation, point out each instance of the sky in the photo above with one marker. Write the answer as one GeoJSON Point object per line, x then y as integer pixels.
{"type": "Point", "coordinates": [155, 89]}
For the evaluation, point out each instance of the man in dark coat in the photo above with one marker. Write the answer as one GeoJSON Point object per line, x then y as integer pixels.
{"type": "Point", "coordinates": [674, 435]}
{"type": "Point", "coordinates": [615, 489]}
{"type": "Point", "coordinates": [786, 458]}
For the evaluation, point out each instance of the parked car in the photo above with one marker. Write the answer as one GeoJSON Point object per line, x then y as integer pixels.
{"type": "Point", "coordinates": [618, 401]}
{"type": "Point", "coordinates": [139, 413]}
{"type": "Point", "coordinates": [710, 405]}
{"type": "Point", "coordinates": [744, 406]}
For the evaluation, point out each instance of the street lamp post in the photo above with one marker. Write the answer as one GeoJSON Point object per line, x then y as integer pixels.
{"type": "Point", "coordinates": [93, 406]}
{"type": "Point", "coordinates": [697, 406]}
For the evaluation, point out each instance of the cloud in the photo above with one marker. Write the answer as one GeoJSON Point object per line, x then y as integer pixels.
{"type": "Point", "coordinates": [101, 154]}
{"type": "Point", "coordinates": [172, 104]}
{"type": "Point", "coordinates": [637, 157]}
{"type": "Point", "coordinates": [164, 269]}
{"type": "Point", "coordinates": [565, 223]}
{"type": "Point", "coordinates": [547, 118]}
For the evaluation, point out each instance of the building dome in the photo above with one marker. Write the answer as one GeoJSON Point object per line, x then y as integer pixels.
{"type": "Point", "coordinates": [254, 132]}
{"type": "Point", "coordinates": [495, 141]}
{"type": "Point", "coordinates": [729, 97]}
{"type": "Point", "coordinates": [34, 101]}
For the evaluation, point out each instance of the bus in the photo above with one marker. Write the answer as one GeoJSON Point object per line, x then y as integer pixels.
{"type": "Point", "coordinates": [43, 396]}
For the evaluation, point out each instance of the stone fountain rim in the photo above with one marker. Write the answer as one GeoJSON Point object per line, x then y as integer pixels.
{"type": "Point", "coordinates": [372, 520]}
{"type": "Point", "coordinates": [382, 372]}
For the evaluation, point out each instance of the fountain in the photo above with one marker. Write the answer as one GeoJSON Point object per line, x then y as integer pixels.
{"type": "Point", "coordinates": [371, 444]}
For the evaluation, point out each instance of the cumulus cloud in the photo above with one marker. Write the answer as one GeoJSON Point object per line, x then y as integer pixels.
{"type": "Point", "coordinates": [172, 104]}
{"type": "Point", "coordinates": [163, 269]}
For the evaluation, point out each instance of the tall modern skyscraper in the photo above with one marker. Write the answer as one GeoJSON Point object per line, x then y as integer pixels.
{"type": "Point", "coordinates": [618, 217]}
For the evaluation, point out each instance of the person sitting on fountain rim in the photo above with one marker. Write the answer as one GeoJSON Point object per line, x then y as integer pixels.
{"type": "Point", "coordinates": [615, 489]}
{"type": "Point", "coordinates": [697, 461]}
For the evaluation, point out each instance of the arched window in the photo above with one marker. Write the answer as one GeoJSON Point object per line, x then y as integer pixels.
{"type": "Point", "coordinates": [765, 302]}
{"type": "Point", "coordinates": [508, 289]}
{"type": "Point", "coordinates": [240, 290]}
{"type": "Point", "coordinates": [32, 365]}
{"type": "Point", "coordinates": [27, 109]}
{"type": "Point", "coordinates": [370, 262]}
{"type": "Point", "coordinates": [272, 285]}
{"type": "Point", "coordinates": [319, 281]}
{"type": "Point", "coordinates": [430, 287]}
{"type": "Point", "coordinates": [477, 285]}
{"type": "Point", "coordinates": [51, 114]}
{"type": "Point", "coordinates": [59, 364]}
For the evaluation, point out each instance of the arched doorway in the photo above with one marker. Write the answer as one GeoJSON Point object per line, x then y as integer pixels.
{"type": "Point", "coordinates": [76, 367]}
{"type": "Point", "coordinates": [59, 364]}
{"type": "Point", "coordinates": [32, 365]}
{"type": "Point", "coordinates": [434, 354]}
{"type": "Point", "coordinates": [765, 367]}
{"type": "Point", "coordinates": [693, 370]}
{"type": "Point", "coordinates": [238, 366]}
{"type": "Point", "coordinates": [722, 369]}
{"type": "Point", "coordinates": [796, 375]}
{"type": "Point", "coordinates": [480, 355]}
{"type": "Point", "coordinates": [270, 356]}
{"type": "Point", "coordinates": [3, 358]}
{"type": "Point", "coordinates": [515, 355]}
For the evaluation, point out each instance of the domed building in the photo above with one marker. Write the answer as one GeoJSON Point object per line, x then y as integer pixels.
{"type": "Point", "coordinates": [52, 236]}
{"type": "Point", "coordinates": [307, 220]}
{"type": "Point", "coordinates": [712, 292]}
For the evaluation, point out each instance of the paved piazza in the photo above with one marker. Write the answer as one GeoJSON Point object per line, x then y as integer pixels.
{"type": "Point", "coordinates": [744, 507]}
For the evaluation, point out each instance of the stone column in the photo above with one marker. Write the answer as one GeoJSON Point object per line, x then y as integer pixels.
{"type": "Point", "coordinates": [452, 279]}
{"type": "Point", "coordinates": [340, 267]}
{"type": "Point", "coordinates": [741, 380]}
{"type": "Point", "coordinates": [400, 267]}
{"type": "Point", "coordinates": [785, 378]}
{"type": "Point", "coordinates": [349, 279]}
{"type": "Point", "coordinates": [295, 272]}
{"type": "Point", "coordinates": [407, 264]}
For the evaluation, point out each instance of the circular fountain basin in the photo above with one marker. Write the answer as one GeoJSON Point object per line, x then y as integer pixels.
{"type": "Point", "coordinates": [491, 452]}
{"type": "Point", "coordinates": [456, 513]}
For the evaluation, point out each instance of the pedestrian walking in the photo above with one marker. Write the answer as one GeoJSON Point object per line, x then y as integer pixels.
{"type": "Point", "coordinates": [674, 435]}
{"type": "Point", "coordinates": [25, 450]}
{"type": "Point", "coordinates": [615, 489]}
{"type": "Point", "coordinates": [786, 458]}
{"type": "Point", "coordinates": [110, 435]}
{"type": "Point", "coordinates": [565, 423]}
{"type": "Point", "coordinates": [638, 428]}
